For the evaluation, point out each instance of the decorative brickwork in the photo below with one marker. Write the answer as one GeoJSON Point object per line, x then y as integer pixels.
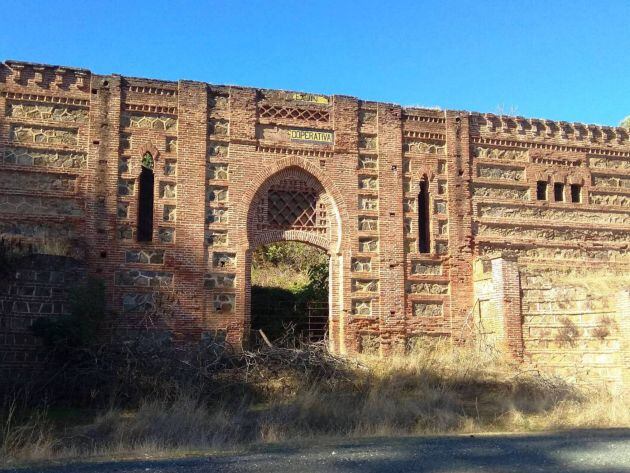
{"type": "Point", "coordinates": [405, 201]}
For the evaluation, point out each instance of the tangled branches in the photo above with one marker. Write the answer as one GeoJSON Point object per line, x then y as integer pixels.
{"type": "Point", "coordinates": [153, 365]}
{"type": "Point", "coordinates": [308, 364]}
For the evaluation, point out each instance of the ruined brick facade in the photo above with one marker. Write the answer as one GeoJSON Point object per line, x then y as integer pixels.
{"type": "Point", "coordinates": [436, 222]}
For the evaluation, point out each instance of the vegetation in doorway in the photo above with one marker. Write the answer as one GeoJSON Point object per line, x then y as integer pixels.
{"type": "Point", "coordinates": [286, 276]}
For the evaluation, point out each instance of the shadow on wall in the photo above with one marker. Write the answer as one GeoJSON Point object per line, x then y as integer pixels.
{"type": "Point", "coordinates": [289, 290]}
{"type": "Point", "coordinates": [277, 311]}
{"type": "Point", "coordinates": [33, 287]}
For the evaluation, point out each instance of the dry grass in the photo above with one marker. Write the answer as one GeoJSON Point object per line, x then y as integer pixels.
{"type": "Point", "coordinates": [279, 276]}
{"type": "Point", "coordinates": [434, 390]}
{"type": "Point", "coordinates": [285, 264]}
{"type": "Point", "coordinates": [28, 439]}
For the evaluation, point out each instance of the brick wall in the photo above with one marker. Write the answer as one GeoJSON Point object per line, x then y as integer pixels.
{"type": "Point", "coordinates": [572, 329]}
{"type": "Point", "coordinates": [37, 286]}
{"type": "Point", "coordinates": [236, 167]}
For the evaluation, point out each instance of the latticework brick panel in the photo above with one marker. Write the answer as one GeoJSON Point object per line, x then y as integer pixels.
{"type": "Point", "coordinates": [275, 111]}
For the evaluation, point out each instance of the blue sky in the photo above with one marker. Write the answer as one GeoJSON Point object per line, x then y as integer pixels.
{"type": "Point", "coordinates": [567, 60]}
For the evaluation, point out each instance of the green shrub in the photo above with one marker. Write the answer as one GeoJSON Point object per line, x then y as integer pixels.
{"type": "Point", "coordinates": [298, 256]}
{"type": "Point", "coordinates": [287, 276]}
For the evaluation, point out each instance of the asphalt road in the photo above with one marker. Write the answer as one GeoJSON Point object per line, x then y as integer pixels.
{"type": "Point", "coordinates": [569, 452]}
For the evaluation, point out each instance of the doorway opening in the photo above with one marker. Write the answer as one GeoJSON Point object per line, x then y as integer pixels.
{"type": "Point", "coordinates": [289, 293]}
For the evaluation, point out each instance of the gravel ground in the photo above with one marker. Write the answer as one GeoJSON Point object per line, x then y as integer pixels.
{"type": "Point", "coordinates": [568, 452]}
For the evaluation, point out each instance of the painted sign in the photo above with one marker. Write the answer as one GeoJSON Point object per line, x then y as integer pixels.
{"type": "Point", "coordinates": [311, 136]}
{"type": "Point", "coordinates": [320, 99]}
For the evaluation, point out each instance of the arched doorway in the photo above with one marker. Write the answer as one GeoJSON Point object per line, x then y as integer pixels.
{"type": "Point", "coordinates": [289, 293]}
{"type": "Point", "coordinates": [293, 205]}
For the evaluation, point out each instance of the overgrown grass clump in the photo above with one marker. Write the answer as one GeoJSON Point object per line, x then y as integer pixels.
{"type": "Point", "coordinates": [277, 394]}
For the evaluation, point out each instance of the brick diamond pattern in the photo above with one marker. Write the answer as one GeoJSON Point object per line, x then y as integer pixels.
{"type": "Point", "coordinates": [291, 209]}
{"type": "Point", "coordinates": [273, 111]}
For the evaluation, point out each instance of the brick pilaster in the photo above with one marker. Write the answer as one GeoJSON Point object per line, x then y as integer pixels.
{"type": "Point", "coordinates": [507, 297]}
{"type": "Point", "coordinates": [623, 311]}
{"type": "Point", "coordinates": [459, 171]}
{"type": "Point", "coordinates": [102, 179]}
{"type": "Point", "coordinates": [343, 166]}
{"type": "Point", "coordinates": [243, 119]}
{"type": "Point", "coordinates": [391, 244]}
{"type": "Point", "coordinates": [188, 255]}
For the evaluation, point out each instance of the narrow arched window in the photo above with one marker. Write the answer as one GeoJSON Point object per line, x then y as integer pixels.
{"type": "Point", "coordinates": [145, 199]}
{"type": "Point", "coordinates": [424, 228]}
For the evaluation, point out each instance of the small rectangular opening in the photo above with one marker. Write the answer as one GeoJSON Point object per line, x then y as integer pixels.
{"type": "Point", "coordinates": [576, 193]}
{"type": "Point", "coordinates": [541, 190]}
{"type": "Point", "coordinates": [558, 192]}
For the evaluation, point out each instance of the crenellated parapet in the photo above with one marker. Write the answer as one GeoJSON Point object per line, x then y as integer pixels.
{"type": "Point", "coordinates": [488, 125]}
{"type": "Point", "coordinates": [48, 77]}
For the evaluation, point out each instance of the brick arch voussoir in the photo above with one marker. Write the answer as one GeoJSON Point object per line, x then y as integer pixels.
{"type": "Point", "coordinates": [291, 162]}
{"type": "Point", "coordinates": [310, 238]}
{"type": "Point", "coordinates": [149, 147]}
{"type": "Point", "coordinates": [420, 173]}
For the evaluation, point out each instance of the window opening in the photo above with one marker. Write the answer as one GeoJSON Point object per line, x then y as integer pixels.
{"type": "Point", "coordinates": [576, 193]}
{"type": "Point", "coordinates": [541, 190]}
{"type": "Point", "coordinates": [145, 199]}
{"type": "Point", "coordinates": [558, 192]}
{"type": "Point", "coordinates": [424, 228]}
